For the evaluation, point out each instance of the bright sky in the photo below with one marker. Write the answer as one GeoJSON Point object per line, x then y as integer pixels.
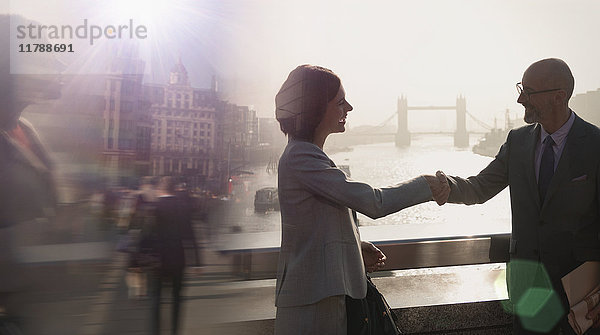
{"type": "Point", "coordinates": [428, 50]}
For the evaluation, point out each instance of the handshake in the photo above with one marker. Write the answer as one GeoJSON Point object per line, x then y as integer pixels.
{"type": "Point", "coordinates": [440, 189]}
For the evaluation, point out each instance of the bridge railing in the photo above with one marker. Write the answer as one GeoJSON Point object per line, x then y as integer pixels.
{"type": "Point", "coordinates": [255, 254]}
{"type": "Point", "coordinates": [437, 285]}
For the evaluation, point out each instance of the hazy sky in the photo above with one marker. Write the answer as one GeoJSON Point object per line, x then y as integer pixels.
{"type": "Point", "coordinates": [428, 50]}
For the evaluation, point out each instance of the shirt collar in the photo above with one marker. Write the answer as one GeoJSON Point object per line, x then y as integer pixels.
{"type": "Point", "coordinates": [560, 135]}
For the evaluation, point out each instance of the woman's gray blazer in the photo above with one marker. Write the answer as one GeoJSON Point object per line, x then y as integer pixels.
{"type": "Point", "coordinates": [320, 253]}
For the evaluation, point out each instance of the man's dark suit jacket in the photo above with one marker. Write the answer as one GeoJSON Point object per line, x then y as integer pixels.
{"type": "Point", "coordinates": [27, 201]}
{"type": "Point", "coordinates": [27, 189]}
{"type": "Point", "coordinates": [560, 233]}
{"type": "Point", "coordinates": [174, 232]}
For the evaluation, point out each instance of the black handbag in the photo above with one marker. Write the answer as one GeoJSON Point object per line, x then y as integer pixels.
{"type": "Point", "coordinates": [371, 315]}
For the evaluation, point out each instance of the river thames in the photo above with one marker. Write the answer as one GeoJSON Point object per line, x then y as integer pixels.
{"type": "Point", "coordinates": [384, 164]}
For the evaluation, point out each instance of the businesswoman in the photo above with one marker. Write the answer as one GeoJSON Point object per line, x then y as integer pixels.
{"type": "Point", "coordinates": [322, 258]}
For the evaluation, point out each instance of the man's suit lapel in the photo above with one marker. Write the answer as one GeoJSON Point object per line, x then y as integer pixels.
{"type": "Point", "coordinates": [573, 152]}
{"type": "Point", "coordinates": [530, 151]}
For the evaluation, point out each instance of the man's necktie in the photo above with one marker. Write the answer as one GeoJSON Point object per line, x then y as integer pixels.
{"type": "Point", "coordinates": [546, 167]}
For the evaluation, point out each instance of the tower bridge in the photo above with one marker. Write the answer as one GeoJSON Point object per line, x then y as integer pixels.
{"type": "Point", "coordinates": [403, 135]}
{"type": "Point", "coordinates": [461, 137]}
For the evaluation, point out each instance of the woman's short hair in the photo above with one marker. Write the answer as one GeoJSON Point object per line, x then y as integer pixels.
{"type": "Point", "coordinates": [302, 100]}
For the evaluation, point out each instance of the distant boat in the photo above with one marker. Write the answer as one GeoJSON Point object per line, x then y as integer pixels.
{"type": "Point", "coordinates": [490, 144]}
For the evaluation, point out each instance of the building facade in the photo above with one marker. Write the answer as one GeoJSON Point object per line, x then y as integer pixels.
{"type": "Point", "coordinates": [184, 122]}
{"type": "Point", "coordinates": [127, 123]}
{"type": "Point", "coordinates": [117, 129]}
{"type": "Point", "coordinates": [237, 135]}
{"type": "Point", "coordinates": [587, 105]}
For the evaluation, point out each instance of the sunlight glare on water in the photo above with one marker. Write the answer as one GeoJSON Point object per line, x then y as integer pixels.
{"type": "Point", "coordinates": [384, 164]}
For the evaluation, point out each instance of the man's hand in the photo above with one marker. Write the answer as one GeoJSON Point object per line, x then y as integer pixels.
{"type": "Point", "coordinates": [440, 189]}
{"type": "Point", "coordinates": [373, 258]}
{"type": "Point", "coordinates": [594, 315]}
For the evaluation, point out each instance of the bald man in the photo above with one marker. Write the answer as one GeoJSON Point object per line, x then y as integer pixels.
{"type": "Point", "coordinates": [552, 167]}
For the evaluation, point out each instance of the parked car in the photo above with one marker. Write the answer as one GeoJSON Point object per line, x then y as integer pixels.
{"type": "Point", "coordinates": [266, 199]}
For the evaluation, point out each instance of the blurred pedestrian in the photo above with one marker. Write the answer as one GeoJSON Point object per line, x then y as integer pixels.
{"type": "Point", "coordinates": [27, 188]}
{"type": "Point", "coordinates": [141, 220]}
{"type": "Point", "coordinates": [172, 236]}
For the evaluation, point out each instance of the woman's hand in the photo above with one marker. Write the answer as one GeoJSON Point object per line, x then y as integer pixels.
{"type": "Point", "coordinates": [373, 258]}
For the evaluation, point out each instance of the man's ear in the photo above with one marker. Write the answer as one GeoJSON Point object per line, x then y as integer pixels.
{"type": "Point", "coordinates": [560, 97]}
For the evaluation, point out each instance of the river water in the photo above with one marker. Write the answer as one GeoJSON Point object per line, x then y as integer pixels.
{"type": "Point", "coordinates": [384, 164]}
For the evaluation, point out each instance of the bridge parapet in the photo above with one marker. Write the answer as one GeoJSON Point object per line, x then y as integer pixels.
{"type": "Point", "coordinates": [437, 284]}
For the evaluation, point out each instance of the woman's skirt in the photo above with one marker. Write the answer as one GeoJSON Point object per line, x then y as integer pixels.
{"type": "Point", "coordinates": [327, 316]}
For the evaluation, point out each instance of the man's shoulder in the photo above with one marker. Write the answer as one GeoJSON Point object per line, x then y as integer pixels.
{"type": "Point", "coordinates": [590, 128]}
{"type": "Point", "coordinates": [521, 133]}
{"type": "Point", "coordinates": [523, 130]}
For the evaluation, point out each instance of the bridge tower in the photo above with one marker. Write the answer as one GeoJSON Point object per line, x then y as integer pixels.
{"type": "Point", "coordinates": [402, 136]}
{"type": "Point", "coordinates": [461, 137]}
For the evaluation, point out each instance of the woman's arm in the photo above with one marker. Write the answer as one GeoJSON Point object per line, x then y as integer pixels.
{"type": "Point", "coordinates": [312, 168]}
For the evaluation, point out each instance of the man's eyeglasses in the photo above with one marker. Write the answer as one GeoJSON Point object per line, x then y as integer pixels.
{"type": "Point", "coordinates": [520, 90]}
